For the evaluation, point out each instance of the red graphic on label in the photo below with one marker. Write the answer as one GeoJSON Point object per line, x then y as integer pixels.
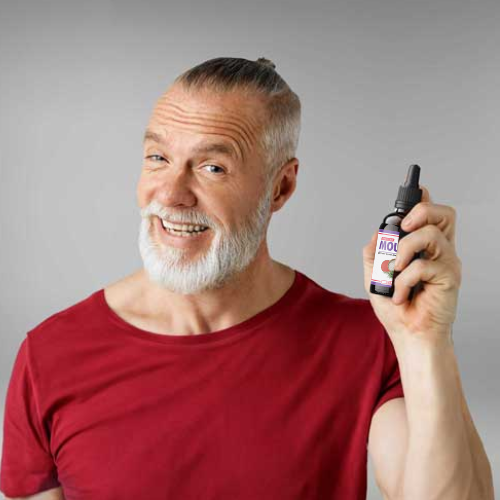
{"type": "Point", "coordinates": [385, 266]}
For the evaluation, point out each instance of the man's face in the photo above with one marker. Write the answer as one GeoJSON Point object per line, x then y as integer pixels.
{"type": "Point", "coordinates": [183, 181]}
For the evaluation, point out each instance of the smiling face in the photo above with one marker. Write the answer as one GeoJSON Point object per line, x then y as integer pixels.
{"type": "Point", "coordinates": [202, 165]}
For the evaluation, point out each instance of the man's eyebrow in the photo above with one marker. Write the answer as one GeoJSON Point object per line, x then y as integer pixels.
{"type": "Point", "coordinates": [213, 147]}
{"type": "Point", "coordinates": [152, 136]}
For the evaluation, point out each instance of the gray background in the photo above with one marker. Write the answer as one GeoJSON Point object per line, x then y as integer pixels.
{"type": "Point", "coordinates": [383, 84]}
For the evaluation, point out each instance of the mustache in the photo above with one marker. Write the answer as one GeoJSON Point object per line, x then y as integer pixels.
{"type": "Point", "coordinates": [154, 209]}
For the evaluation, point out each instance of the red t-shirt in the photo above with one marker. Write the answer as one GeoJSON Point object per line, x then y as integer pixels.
{"type": "Point", "coordinates": [275, 407]}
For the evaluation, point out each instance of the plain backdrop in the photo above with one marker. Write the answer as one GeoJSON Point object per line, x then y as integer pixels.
{"type": "Point", "coordinates": [383, 84]}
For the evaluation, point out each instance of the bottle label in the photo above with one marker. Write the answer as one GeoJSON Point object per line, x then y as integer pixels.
{"type": "Point", "coordinates": [385, 257]}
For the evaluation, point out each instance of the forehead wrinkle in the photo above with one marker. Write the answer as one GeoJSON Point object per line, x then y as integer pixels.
{"type": "Point", "coordinates": [221, 124]}
{"type": "Point", "coordinates": [238, 151]}
{"type": "Point", "coordinates": [220, 130]}
{"type": "Point", "coordinates": [245, 122]}
{"type": "Point", "coordinates": [206, 147]}
{"type": "Point", "coordinates": [240, 126]}
{"type": "Point", "coordinates": [224, 148]}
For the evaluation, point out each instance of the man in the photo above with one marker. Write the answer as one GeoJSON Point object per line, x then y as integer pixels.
{"type": "Point", "coordinates": [216, 372]}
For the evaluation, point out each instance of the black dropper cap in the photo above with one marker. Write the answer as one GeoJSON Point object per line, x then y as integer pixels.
{"type": "Point", "coordinates": [409, 193]}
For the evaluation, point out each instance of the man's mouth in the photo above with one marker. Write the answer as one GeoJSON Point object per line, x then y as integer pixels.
{"type": "Point", "coordinates": [183, 229]}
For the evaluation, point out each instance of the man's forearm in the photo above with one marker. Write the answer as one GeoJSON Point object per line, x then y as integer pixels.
{"type": "Point", "coordinates": [482, 487]}
{"type": "Point", "coordinates": [445, 458]}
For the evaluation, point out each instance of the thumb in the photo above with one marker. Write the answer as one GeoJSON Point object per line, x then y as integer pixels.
{"type": "Point", "coordinates": [368, 259]}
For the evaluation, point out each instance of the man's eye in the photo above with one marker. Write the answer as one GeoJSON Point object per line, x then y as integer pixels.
{"type": "Point", "coordinates": [215, 166]}
{"type": "Point", "coordinates": [153, 156]}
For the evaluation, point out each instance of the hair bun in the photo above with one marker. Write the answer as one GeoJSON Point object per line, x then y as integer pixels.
{"type": "Point", "coordinates": [266, 62]}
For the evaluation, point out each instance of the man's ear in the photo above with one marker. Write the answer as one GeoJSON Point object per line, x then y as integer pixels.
{"type": "Point", "coordinates": [285, 184]}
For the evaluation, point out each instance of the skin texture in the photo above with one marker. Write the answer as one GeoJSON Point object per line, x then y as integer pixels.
{"type": "Point", "coordinates": [184, 186]}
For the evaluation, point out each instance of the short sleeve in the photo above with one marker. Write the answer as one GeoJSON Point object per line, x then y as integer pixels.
{"type": "Point", "coordinates": [391, 386]}
{"type": "Point", "coordinates": [27, 466]}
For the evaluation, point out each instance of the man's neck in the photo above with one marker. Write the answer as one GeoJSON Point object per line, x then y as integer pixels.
{"type": "Point", "coordinates": [251, 292]}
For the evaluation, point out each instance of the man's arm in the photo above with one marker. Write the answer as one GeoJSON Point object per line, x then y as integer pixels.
{"type": "Point", "coordinates": [483, 487]}
{"type": "Point", "coordinates": [52, 494]}
{"type": "Point", "coordinates": [387, 447]}
{"type": "Point", "coordinates": [444, 457]}
{"type": "Point", "coordinates": [443, 460]}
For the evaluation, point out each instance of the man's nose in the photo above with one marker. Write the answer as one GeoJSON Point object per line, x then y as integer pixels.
{"type": "Point", "coordinates": [176, 188]}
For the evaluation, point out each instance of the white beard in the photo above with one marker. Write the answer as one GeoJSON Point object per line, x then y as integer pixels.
{"type": "Point", "coordinates": [171, 268]}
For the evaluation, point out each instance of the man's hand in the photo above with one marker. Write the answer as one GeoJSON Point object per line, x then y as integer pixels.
{"type": "Point", "coordinates": [431, 312]}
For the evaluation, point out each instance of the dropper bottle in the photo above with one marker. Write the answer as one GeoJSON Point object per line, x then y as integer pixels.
{"type": "Point", "coordinates": [389, 234]}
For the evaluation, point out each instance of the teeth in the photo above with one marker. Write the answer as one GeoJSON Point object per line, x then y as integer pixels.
{"type": "Point", "coordinates": [187, 234]}
{"type": "Point", "coordinates": [182, 227]}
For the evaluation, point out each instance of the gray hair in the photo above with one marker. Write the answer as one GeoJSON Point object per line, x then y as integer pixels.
{"type": "Point", "coordinates": [280, 133]}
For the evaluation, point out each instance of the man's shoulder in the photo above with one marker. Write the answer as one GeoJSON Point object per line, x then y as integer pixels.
{"type": "Point", "coordinates": [341, 310]}
{"type": "Point", "coordinates": [76, 317]}
{"type": "Point", "coordinates": [335, 298]}
{"type": "Point", "coordinates": [62, 320]}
